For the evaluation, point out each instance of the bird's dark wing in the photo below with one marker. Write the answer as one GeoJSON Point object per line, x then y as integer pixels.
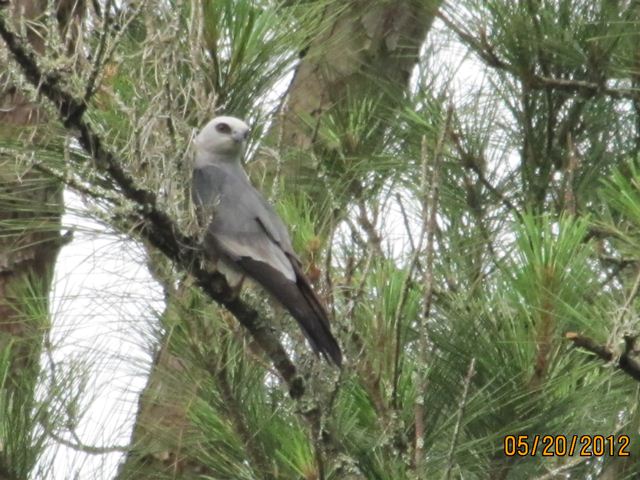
{"type": "Point", "coordinates": [301, 301]}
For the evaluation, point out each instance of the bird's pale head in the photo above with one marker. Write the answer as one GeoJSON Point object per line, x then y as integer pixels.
{"type": "Point", "coordinates": [223, 137]}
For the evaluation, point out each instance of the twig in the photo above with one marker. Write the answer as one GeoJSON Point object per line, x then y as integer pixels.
{"type": "Point", "coordinates": [624, 310]}
{"type": "Point", "coordinates": [533, 81]}
{"type": "Point", "coordinates": [555, 473]}
{"type": "Point", "coordinates": [617, 266]}
{"type": "Point", "coordinates": [463, 404]}
{"type": "Point", "coordinates": [76, 185]}
{"type": "Point", "coordinates": [430, 226]}
{"type": "Point", "coordinates": [471, 163]}
{"type": "Point", "coordinates": [104, 52]}
{"type": "Point", "coordinates": [96, 68]}
{"type": "Point", "coordinates": [627, 363]}
{"type": "Point", "coordinates": [405, 219]}
{"type": "Point", "coordinates": [373, 239]}
{"type": "Point", "coordinates": [569, 199]}
{"type": "Point", "coordinates": [77, 445]}
{"type": "Point", "coordinates": [430, 188]}
{"type": "Point", "coordinates": [328, 277]}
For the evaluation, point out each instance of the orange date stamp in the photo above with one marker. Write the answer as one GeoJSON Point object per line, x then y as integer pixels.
{"type": "Point", "coordinates": [566, 445]}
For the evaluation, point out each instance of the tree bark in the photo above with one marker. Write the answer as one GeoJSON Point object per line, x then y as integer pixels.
{"type": "Point", "coordinates": [30, 208]}
{"type": "Point", "coordinates": [162, 432]}
{"type": "Point", "coordinates": [369, 46]}
{"type": "Point", "coordinates": [30, 219]}
{"type": "Point", "coordinates": [365, 52]}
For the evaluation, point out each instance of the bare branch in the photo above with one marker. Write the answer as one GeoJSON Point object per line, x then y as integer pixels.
{"type": "Point", "coordinates": [627, 362]}
{"type": "Point", "coordinates": [431, 193]}
{"type": "Point", "coordinates": [463, 404]}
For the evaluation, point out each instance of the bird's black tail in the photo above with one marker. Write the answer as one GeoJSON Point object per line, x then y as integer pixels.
{"type": "Point", "coordinates": [301, 301]}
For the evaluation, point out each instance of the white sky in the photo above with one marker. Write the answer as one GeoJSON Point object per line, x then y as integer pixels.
{"type": "Point", "coordinates": [104, 305]}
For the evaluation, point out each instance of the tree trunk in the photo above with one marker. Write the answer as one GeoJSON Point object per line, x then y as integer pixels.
{"type": "Point", "coordinates": [371, 45]}
{"type": "Point", "coordinates": [367, 54]}
{"type": "Point", "coordinates": [30, 216]}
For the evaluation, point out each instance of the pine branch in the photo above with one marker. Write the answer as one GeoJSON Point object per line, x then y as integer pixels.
{"type": "Point", "coordinates": [533, 81]}
{"type": "Point", "coordinates": [471, 371]}
{"type": "Point", "coordinates": [430, 186]}
{"type": "Point", "coordinates": [628, 362]}
{"type": "Point", "coordinates": [237, 418]}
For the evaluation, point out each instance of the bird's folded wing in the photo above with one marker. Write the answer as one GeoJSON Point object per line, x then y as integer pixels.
{"type": "Point", "coordinates": [244, 225]}
{"type": "Point", "coordinates": [258, 247]}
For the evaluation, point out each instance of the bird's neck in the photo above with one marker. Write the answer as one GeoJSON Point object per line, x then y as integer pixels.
{"type": "Point", "coordinates": [229, 163]}
{"type": "Point", "coordinates": [234, 167]}
{"type": "Point", "coordinates": [204, 158]}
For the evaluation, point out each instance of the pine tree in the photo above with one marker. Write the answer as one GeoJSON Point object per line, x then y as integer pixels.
{"type": "Point", "coordinates": [463, 192]}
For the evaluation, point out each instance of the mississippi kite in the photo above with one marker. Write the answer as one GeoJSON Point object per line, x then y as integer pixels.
{"type": "Point", "coordinates": [245, 236]}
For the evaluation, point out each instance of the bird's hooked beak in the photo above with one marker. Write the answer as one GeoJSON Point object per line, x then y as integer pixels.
{"type": "Point", "coordinates": [239, 137]}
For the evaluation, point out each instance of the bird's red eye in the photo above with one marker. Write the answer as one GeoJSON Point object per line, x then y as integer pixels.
{"type": "Point", "coordinates": [223, 128]}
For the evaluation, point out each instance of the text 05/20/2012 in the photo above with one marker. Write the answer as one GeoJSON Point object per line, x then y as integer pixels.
{"type": "Point", "coordinates": [566, 445]}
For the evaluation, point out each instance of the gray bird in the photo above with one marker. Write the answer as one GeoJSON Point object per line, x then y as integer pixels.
{"type": "Point", "coordinates": [245, 236]}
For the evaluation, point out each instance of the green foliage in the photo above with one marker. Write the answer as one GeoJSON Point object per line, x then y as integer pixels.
{"type": "Point", "coordinates": [457, 329]}
{"type": "Point", "coordinates": [517, 322]}
{"type": "Point", "coordinates": [621, 195]}
{"type": "Point", "coordinates": [294, 208]}
{"type": "Point", "coordinates": [25, 419]}
{"type": "Point", "coordinates": [246, 54]}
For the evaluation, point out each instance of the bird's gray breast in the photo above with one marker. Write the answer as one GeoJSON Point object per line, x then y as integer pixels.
{"type": "Point", "coordinates": [242, 223]}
